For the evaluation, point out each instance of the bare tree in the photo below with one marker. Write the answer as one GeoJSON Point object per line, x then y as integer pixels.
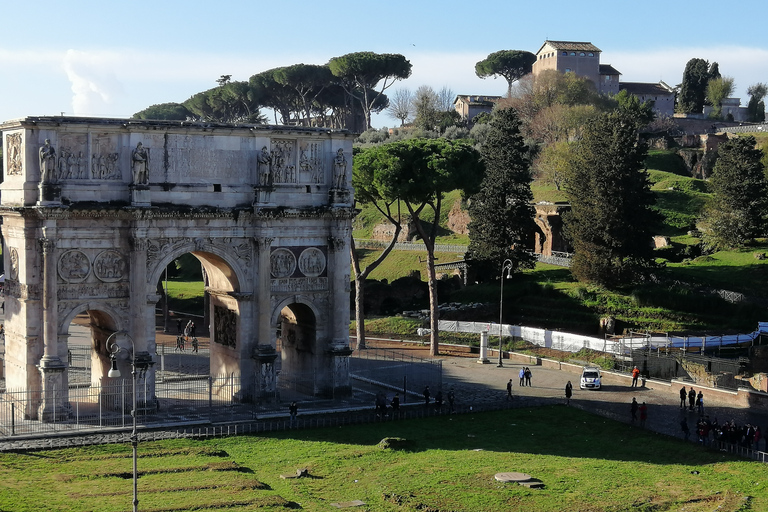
{"type": "Point", "coordinates": [445, 98]}
{"type": "Point", "coordinates": [401, 106]}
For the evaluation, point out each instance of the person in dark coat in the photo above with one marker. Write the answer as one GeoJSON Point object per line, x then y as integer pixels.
{"type": "Point", "coordinates": [426, 395]}
{"type": "Point", "coordinates": [568, 393]}
{"type": "Point", "coordinates": [396, 403]}
{"type": "Point", "coordinates": [451, 399]}
{"type": "Point", "coordinates": [633, 409]}
{"type": "Point", "coordinates": [643, 414]}
{"type": "Point", "coordinates": [509, 390]}
{"type": "Point", "coordinates": [691, 399]}
{"type": "Point", "coordinates": [683, 396]}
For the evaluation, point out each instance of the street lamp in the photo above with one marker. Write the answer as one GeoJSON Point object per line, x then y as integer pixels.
{"type": "Point", "coordinates": [507, 265]}
{"type": "Point", "coordinates": [140, 362]}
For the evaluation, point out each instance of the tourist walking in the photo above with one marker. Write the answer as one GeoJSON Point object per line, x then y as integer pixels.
{"type": "Point", "coordinates": [426, 395]}
{"type": "Point", "coordinates": [522, 376]}
{"type": "Point", "coordinates": [635, 375]}
{"type": "Point", "coordinates": [684, 428]}
{"type": "Point", "coordinates": [527, 376]}
{"type": "Point", "coordinates": [568, 393]}
{"type": "Point", "coordinates": [633, 409]}
{"type": "Point", "coordinates": [643, 414]}
{"type": "Point", "coordinates": [691, 399]}
{"type": "Point", "coordinates": [293, 410]}
{"type": "Point", "coordinates": [683, 396]}
{"type": "Point", "coordinates": [439, 401]}
{"type": "Point", "coordinates": [396, 403]}
{"type": "Point", "coordinates": [509, 390]}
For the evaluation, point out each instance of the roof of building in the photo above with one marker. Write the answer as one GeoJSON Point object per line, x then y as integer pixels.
{"type": "Point", "coordinates": [477, 99]}
{"type": "Point", "coordinates": [607, 69]}
{"type": "Point", "coordinates": [641, 88]}
{"type": "Point", "coordinates": [570, 46]}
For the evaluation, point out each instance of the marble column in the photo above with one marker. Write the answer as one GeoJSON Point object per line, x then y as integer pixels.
{"type": "Point", "coordinates": [51, 366]}
{"type": "Point", "coordinates": [338, 350]}
{"type": "Point", "coordinates": [264, 352]}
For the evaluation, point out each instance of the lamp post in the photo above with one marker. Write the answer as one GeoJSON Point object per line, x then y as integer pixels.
{"type": "Point", "coordinates": [141, 363]}
{"type": "Point", "coordinates": [507, 265]}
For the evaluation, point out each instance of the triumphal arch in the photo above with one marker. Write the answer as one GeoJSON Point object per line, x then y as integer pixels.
{"type": "Point", "coordinates": [94, 210]}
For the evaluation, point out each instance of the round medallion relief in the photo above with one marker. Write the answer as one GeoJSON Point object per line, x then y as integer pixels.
{"type": "Point", "coordinates": [109, 266]}
{"type": "Point", "coordinates": [283, 263]}
{"type": "Point", "coordinates": [74, 266]}
{"type": "Point", "coordinates": [312, 262]}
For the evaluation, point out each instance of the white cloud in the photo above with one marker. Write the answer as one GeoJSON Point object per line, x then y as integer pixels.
{"type": "Point", "coordinates": [94, 84]}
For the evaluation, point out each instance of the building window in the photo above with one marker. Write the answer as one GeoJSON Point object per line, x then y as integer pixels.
{"type": "Point", "coordinates": [581, 54]}
{"type": "Point", "coordinates": [573, 54]}
{"type": "Point", "coordinates": [567, 70]}
{"type": "Point", "coordinates": [591, 54]}
{"type": "Point", "coordinates": [565, 54]}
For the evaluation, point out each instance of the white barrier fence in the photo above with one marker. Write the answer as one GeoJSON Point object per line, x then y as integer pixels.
{"type": "Point", "coordinates": [621, 346]}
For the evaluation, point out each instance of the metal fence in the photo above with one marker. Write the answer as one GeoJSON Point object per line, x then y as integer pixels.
{"type": "Point", "coordinates": [367, 243]}
{"type": "Point", "coordinates": [182, 394]}
{"type": "Point", "coordinates": [375, 368]}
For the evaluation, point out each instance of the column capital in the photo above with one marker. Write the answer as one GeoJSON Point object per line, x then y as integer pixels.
{"type": "Point", "coordinates": [47, 244]}
{"type": "Point", "coordinates": [263, 243]}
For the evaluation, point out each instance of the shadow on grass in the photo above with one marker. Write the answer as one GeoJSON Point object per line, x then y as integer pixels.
{"type": "Point", "coordinates": [553, 430]}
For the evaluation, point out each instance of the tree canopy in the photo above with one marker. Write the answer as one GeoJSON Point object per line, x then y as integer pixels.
{"type": "Point", "coordinates": [737, 212]}
{"type": "Point", "coordinates": [501, 212]}
{"type": "Point", "coordinates": [511, 64]}
{"type": "Point", "coordinates": [693, 89]}
{"type": "Point", "coordinates": [419, 172]}
{"type": "Point", "coordinates": [165, 111]}
{"type": "Point", "coordinates": [756, 105]}
{"type": "Point", "coordinates": [361, 72]}
{"type": "Point", "coordinates": [610, 221]}
{"type": "Point", "coordinates": [717, 90]}
{"type": "Point", "coordinates": [233, 102]}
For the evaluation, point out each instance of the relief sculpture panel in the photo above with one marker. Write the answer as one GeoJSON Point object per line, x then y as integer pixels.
{"type": "Point", "coordinates": [110, 266]}
{"type": "Point", "coordinates": [74, 266]}
{"type": "Point", "coordinates": [15, 157]}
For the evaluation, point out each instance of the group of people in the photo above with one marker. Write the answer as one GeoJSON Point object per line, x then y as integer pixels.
{"type": "Point", "coordinates": [525, 376]}
{"type": "Point", "coordinates": [187, 334]}
{"type": "Point", "coordinates": [746, 436]}
{"type": "Point", "coordinates": [692, 399]}
{"type": "Point", "coordinates": [439, 399]}
{"type": "Point", "coordinates": [636, 409]}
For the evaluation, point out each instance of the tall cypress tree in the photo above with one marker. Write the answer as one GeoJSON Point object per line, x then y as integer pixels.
{"type": "Point", "coordinates": [693, 89]}
{"type": "Point", "coordinates": [501, 212]}
{"type": "Point", "coordinates": [610, 221]}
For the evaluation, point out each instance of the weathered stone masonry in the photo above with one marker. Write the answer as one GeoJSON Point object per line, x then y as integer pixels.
{"type": "Point", "coordinates": [94, 209]}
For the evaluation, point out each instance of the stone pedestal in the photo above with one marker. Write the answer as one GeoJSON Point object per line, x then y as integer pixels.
{"type": "Point", "coordinates": [140, 195]}
{"type": "Point", "coordinates": [54, 405]}
{"type": "Point", "coordinates": [483, 359]}
{"type": "Point", "coordinates": [342, 385]}
{"type": "Point", "coordinates": [262, 196]}
{"type": "Point", "coordinates": [265, 357]}
{"type": "Point", "coordinates": [339, 197]}
{"type": "Point", "coordinates": [49, 194]}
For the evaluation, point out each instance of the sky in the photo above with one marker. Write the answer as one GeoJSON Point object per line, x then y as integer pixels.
{"type": "Point", "coordinates": [113, 58]}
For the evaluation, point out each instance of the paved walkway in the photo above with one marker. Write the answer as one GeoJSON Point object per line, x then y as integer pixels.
{"type": "Point", "coordinates": [481, 386]}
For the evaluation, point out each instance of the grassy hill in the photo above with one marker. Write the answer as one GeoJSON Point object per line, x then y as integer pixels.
{"type": "Point", "coordinates": [548, 297]}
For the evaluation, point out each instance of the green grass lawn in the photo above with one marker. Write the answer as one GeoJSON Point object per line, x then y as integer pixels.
{"type": "Point", "coordinates": [448, 463]}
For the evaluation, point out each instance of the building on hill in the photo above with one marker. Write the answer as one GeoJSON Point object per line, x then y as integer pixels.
{"type": "Point", "coordinates": [470, 105]}
{"type": "Point", "coordinates": [731, 110]}
{"type": "Point", "coordinates": [581, 58]}
{"type": "Point", "coordinates": [662, 95]}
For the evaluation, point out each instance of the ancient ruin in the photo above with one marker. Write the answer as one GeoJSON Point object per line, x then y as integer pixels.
{"type": "Point", "coordinates": [94, 210]}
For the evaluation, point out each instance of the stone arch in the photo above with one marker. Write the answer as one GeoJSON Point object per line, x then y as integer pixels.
{"type": "Point", "coordinates": [104, 320]}
{"type": "Point", "coordinates": [207, 253]}
{"type": "Point", "coordinates": [299, 343]}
